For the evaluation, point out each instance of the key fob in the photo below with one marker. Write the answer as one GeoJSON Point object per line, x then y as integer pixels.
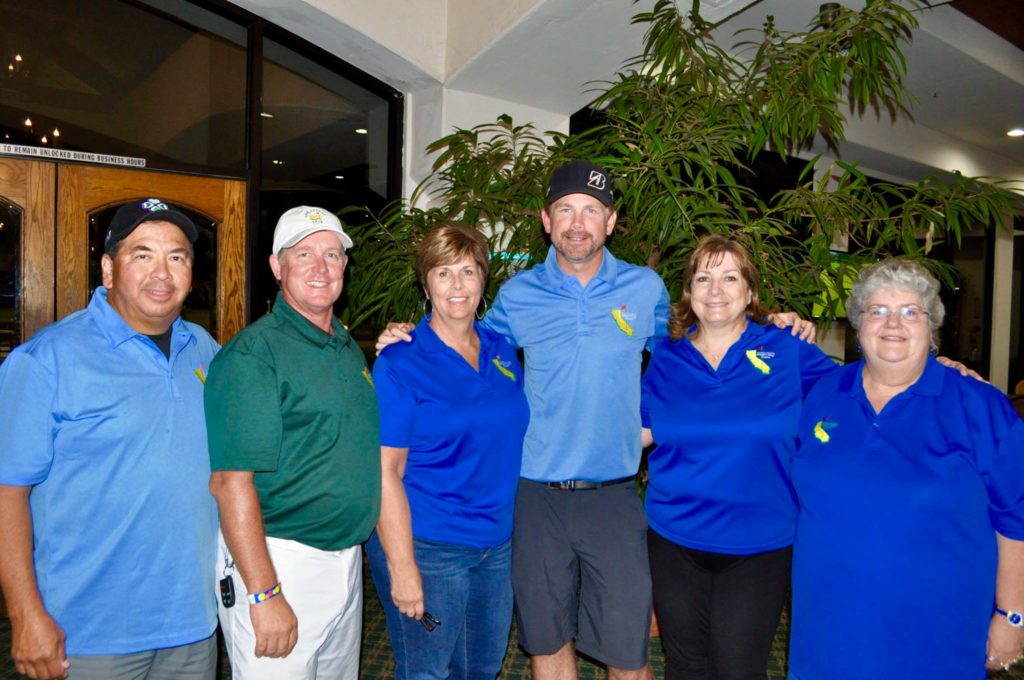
{"type": "Point", "coordinates": [227, 591]}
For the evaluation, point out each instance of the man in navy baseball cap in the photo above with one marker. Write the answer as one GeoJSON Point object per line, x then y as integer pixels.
{"type": "Point", "coordinates": [131, 215]}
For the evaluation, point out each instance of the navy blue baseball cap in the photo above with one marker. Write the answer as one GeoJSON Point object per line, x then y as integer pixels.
{"type": "Point", "coordinates": [580, 177]}
{"type": "Point", "coordinates": [131, 215]}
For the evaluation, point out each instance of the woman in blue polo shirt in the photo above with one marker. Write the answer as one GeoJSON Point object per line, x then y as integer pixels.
{"type": "Point", "coordinates": [721, 397]}
{"type": "Point", "coordinates": [453, 416]}
{"type": "Point", "coordinates": [909, 553]}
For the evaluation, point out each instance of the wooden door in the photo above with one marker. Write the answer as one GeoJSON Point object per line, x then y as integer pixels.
{"type": "Point", "coordinates": [30, 187]}
{"type": "Point", "coordinates": [57, 201]}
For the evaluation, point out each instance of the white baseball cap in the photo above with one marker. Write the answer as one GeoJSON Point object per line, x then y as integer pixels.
{"type": "Point", "coordinates": [298, 223]}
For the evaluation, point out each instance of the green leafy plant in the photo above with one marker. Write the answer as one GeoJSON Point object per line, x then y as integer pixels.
{"type": "Point", "coordinates": [684, 122]}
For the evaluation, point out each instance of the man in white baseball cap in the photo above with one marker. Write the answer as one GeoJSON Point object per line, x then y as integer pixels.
{"type": "Point", "coordinates": [298, 223]}
{"type": "Point", "coordinates": [295, 453]}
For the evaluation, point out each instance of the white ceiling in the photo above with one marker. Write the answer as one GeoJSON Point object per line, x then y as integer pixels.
{"type": "Point", "coordinates": [969, 82]}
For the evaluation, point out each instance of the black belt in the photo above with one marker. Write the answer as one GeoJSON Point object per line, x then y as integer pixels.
{"type": "Point", "coordinates": [584, 485]}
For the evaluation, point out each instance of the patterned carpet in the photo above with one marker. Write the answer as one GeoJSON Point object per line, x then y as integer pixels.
{"type": "Point", "coordinates": [377, 663]}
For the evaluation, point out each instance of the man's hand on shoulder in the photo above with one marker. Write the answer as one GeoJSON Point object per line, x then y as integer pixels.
{"type": "Point", "coordinates": [395, 332]}
{"type": "Point", "coordinates": [807, 330]}
{"type": "Point", "coordinates": [276, 628]}
{"type": "Point", "coordinates": [37, 647]}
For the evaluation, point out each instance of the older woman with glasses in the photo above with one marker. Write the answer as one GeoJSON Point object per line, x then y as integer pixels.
{"type": "Point", "coordinates": [909, 552]}
{"type": "Point", "coordinates": [453, 417]}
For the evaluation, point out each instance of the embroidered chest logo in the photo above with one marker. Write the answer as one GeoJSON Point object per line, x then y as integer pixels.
{"type": "Point", "coordinates": [503, 367]}
{"type": "Point", "coordinates": [622, 318]}
{"type": "Point", "coordinates": [821, 429]}
{"type": "Point", "coordinates": [366, 374]}
{"type": "Point", "coordinates": [759, 358]}
{"type": "Point", "coordinates": [200, 373]}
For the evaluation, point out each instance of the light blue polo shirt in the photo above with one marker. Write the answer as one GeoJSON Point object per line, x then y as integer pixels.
{"type": "Point", "coordinates": [464, 431]}
{"type": "Point", "coordinates": [111, 436]}
{"type": "Point", "coordinates": [894, 564]}
{"type": "Point", "coordinates": [719, 476]}
{"type": "Point", "coordinates": [583, 349]}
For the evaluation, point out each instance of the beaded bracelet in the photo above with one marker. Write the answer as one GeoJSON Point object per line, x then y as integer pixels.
{"type": "Point", "coordinates": [270, 592]}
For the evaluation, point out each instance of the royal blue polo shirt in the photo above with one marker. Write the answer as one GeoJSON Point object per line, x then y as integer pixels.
{"type": "Point", "coordinates": [583, 349]}
{"type": "Point", "coordinates": [110, 434]}
{"type": "Point", "coordinates": [718, 478]}
{"type": "Point", "coordinates": [464, 430]}
{"type": "Point", "coordinates": [894, 565]}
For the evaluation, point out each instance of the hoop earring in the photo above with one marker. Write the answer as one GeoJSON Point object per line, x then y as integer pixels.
{"type": "Point", "coordinates": [426, 307]}
{"type": "Point", "coordinates": [481, 310]}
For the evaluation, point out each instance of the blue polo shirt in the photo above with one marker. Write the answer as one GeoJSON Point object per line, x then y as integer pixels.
{"type": "Point", "coordinates": [464, 431]}
{"type": "Point", "coordinates": [894, 565]}
{"type": "Point", "coordinates": [718, 479]}
{"type": "Point", "coordinates": [110, 435]}
{"type": "Point", "coordinates": [583, 349]}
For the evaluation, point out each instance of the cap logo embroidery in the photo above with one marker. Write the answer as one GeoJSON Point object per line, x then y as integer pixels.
{"type": "Point", "coordinates": [596, 181]}
{"type": "Point", "coordinates": [154, 204]}
{"type": "Point", "coordinates": [314, 215]}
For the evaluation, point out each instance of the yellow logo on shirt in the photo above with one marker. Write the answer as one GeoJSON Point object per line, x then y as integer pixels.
{"type": "Point", "coordinates": [754, 357]}
{"type": "Point", "coordinates": [502, 366]}
{"type": "Point", "coordinates": [200, 373]}
{"type": "Point", "coordinates": [369, 378]}
{"type": "Point", "coordinates": [622, 318]}
{"type": "Point", "coordinates": [820, 430]}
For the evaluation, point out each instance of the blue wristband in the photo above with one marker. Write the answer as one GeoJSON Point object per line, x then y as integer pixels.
{"type": "Point", "coordinates": [270, 592]}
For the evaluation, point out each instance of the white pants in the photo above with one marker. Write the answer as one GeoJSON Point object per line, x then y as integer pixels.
{"type": "Point", "coordinates": [325, 590]}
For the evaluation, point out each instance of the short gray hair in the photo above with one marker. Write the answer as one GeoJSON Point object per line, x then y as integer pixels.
{"type": "Point", "coordinates": [902, 274]}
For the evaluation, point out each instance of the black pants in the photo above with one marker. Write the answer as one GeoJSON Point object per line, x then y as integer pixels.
{"type": "Point", "coordinates": [717, 613]}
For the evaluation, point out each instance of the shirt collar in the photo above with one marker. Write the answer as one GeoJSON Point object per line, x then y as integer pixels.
{"type": "Point", "coordinates": [117, 330]}
{"type": "Point", "coordinates": [308, 330]}
{"type": "Point", "coordinates": [429, 341]}
{"type": "Point", "coordinates": [929, 384]}
{"type": "Point", "coordinates": [608, 272]}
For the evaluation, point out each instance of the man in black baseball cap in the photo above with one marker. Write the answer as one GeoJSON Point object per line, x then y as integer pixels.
{"type": "Point", "coordinates": [103, 453]}
{"type": "Point", "coordinates": [580, 177]}
{"type": "Point", "coordinates": [131, 215]}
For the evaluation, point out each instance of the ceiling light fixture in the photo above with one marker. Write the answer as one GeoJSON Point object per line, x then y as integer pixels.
{"type": "Point", "coordinates": [1016, 132]}
{"type": "Point", "coordinates": [56, 132]}
{"type": "Point", "coordinates": [339, 177]}
{"type": "Point", "coordinates": [264, 114]}
{"type": "Point", "coordinates": [28, 122]}
{"type": "Point", "coordinates": [360, 131]}
{"type": "Point", "coordinates": [44, 140]}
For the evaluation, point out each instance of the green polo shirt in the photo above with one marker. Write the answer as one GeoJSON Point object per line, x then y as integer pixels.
{"type": "Point", "coordinates": [296, 406]}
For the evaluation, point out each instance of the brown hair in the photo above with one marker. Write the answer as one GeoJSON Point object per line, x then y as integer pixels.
{"type": "Point", "coordinates": [448, 244]}
{"type": "Point", "coordinates": [712, 249]}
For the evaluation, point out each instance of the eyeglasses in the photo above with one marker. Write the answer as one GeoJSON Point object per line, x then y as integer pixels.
{"type": "Point", "coordinates": [906, 313]}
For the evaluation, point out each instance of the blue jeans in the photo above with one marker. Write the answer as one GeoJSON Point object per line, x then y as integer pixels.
{"type": "Point", "coordinates": [470, 591]}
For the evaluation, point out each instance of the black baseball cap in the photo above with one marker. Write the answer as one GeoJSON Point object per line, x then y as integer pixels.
{"type": "Point", "coordinates": [131, 215]}
{"type": "Point", "coordinates": [580, 177]}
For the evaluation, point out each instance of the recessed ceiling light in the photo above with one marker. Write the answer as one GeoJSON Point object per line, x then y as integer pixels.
{"type": "Point", "coordinates": [28, 122]}
{"type": "Point", "coordinates": [1016, 132]}
{"type": "Point", "coordinates": [339, 177]}
{"type": "Point", "coordinates": [277, 162]}
{"type": "Point", "coordinates": [360, 131]}
{"type": "Point", "coordinates": [264, 114]}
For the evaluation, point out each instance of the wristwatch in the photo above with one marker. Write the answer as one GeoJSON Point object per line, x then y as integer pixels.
{"type": "Point", "coordinates": [1015, 619]}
